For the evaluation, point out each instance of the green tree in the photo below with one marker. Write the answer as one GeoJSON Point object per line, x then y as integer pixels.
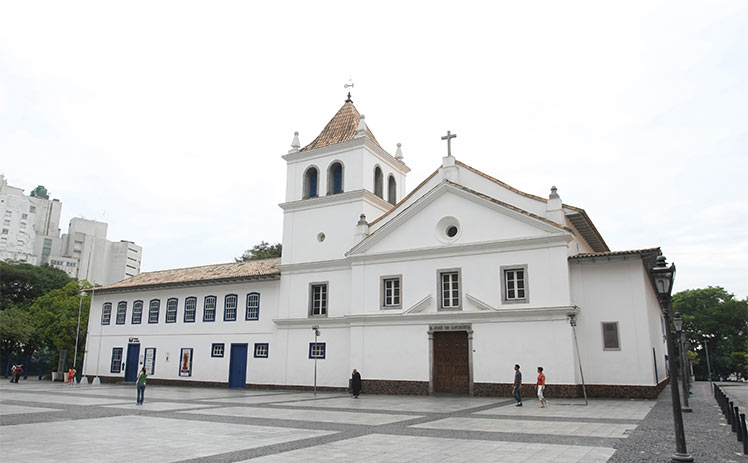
{"type": "Point", "coordinates": [21, 283]}
{"type": "Point", "coordinates": [261, 251]}
{"type": "Point", "coordinates": [714, 314]}
{"type": "Point", "coordinates": [16, 330]}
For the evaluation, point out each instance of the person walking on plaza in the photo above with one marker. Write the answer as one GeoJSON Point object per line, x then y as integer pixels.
{"type": "Point", "coordinates": [356, 383]}
{"type": "Point", "coordinates": [71, 375]}
{"type": "Point", "coordinates": [18, 372]}
{"type": "Point", "coordinates": [541, 387]}
{"type": "Point", "coordinates": [12, 372]}
{"type": "Point", "coordinates": [517, 385]}
{"type": "Point", "coordinates": [141, 386]}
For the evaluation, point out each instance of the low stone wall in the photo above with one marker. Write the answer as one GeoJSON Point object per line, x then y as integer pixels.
{"type": "Point", "coordinates": [383, 386]}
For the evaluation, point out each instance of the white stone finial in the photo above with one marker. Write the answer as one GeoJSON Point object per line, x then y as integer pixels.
{"type": "Point", "coordinates": [361, 130]}
{"type": "Point", "coordinates": [295, 145]}
{"type": "Point", "coordinates": [555, 208]}
{"type": "Point", "coordinates": [399, 152]}
{"type": "Point", "coordinates": [554, 193]}
{"type": "Point", "coordinates": [362, 220]}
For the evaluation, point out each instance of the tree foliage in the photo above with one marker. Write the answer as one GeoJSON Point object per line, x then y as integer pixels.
{"type": "Point", "coordinates": [715, 315]}
{"type": "Point", "coordinates": [261, 251]}
{"type": "Point", "coordinates": [21, 283]}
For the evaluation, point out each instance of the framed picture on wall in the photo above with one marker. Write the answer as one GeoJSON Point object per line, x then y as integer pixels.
{"type": "Point", "coordinates": [185, 362]}
{"type": "Point", "coordinates": [149, 360]}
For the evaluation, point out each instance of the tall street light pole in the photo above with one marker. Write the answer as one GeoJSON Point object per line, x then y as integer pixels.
{"type": "Point", "coordinates": [316, 354]}
{"type": "Point", "coordinates": [678, 323]}
{"type": "Point", "coordinates": [662, 277]}
{"type": "Point", "coordinates": [78, 329]}
{"type": "Point", "coordinates": [708, 365]}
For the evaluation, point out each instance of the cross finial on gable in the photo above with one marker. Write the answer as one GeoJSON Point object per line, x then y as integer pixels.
{"type": "Point", "coordinates": [349, 85]}
{"type": "Point", "coordinates": [449, 136]}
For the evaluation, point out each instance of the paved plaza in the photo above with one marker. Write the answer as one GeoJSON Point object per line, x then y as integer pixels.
{"type": "Point", "coordinates": [44, 422]}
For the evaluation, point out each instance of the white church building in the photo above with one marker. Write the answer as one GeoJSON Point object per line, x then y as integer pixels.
{"type": "Point", "coordinates": [441, 290]}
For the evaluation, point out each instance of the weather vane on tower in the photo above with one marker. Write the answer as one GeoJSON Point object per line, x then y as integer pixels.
{"type": "Point", "coordinates": [349, 85]}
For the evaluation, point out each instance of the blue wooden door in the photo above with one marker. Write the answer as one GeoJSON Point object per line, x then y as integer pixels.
{"type": "Point", "coordinates": [131, 367]}
{"type": "Point", "coordinates": [238, 366]}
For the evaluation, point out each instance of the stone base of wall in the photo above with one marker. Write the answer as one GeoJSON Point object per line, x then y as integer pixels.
{"type": "Point", "coordinates": [608, 391]}
{"type": "Point", "coordinates": [383, 386]}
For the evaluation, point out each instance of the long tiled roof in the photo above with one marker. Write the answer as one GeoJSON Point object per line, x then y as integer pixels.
{"type": "Point", "coordinates": [643, 252]}
{"type": "Point", "coordinates": [252, 269]}
{"type": "Point", "coordinates": [342, 127]}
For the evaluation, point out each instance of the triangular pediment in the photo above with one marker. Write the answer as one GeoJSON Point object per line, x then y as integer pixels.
{"type": "Point", "coordinates": [451, 209]}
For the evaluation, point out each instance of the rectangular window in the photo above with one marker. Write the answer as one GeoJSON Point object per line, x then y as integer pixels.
{"type": "Point", "coordinates": [171, 310]}
{"type": "Point", "coordinates": [209, 309]}
{"type": "Point", "coordinates": [121, 312]}
{"type": "Point", "coordinates": [149, 360]}
{"type": "Point", "coordinates": [106, 313]}
{"type": "Point", "coordinates": [24, 216]}
{"type": "Point", "coordinates": [116, 366]}
{"type": "Point", "coordinates": [217, 350]}
{"type": "Point", "coordinates": [185, 362]}
{"type": "Point", "coordinates": [318, 300]}
{"type": "Point", "coordinates": [449, 289]}
{"type": "Point", "coordinates": [229, 308]}
{"type": "Point", "coordinates": [391, 292]}
{"type": "Point", "coordinates": [137, 312]}
{"type": "Point", "coordinates": [611, 340]}
{"type": "Point", "coordinates": [253, 306]}
{"type": "Point", "coordinates": [514, 284]}
{"type": "Point", "coordinates": [261, 350]}
{"type": "Point", "coordinates": [32, 209]}
{"type": "Point", "coordinates": [190, 307]}
{"type": "Point", "coordinates": [317, 350]}
{"type": "Point", "coordinates": [153, 310]}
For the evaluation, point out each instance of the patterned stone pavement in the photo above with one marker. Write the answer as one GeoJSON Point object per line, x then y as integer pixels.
{"type": "Point", "coordinates": [43, 421]}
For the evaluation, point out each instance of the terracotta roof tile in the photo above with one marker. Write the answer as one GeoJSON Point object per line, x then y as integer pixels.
{"type": "Point", "coordinates": [342, 127]}
{"type": "Point", "coordinates": [191, 275]}
{"type": "Point", "coordinates": [643, 252]}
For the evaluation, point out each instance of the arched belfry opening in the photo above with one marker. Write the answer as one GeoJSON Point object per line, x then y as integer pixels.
{"type": "Point", "coordinates": [335, 178]}
{"type": "Point", "coordinates": [311, 183]}
{"type": "Point", "coordinates": [378, 182]}
{"type": "Point", "coordinates": [391, 190]}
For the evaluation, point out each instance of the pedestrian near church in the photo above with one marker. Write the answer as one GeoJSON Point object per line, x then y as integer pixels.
{"type": "Point", "coordinates": [18, 372]}
{"type": "Point", "coordinates": [141, 386]}
{"type": "Point", "coordinates": [12, 372]}
{"type": "Point", "coordinates": [71, 375]}
{"type": "Point", "coordinates": [517, 385]}
{"type": "Point", "coordinates": [541, 387]}
{"type": "Point", "coordinates": [356, 383]}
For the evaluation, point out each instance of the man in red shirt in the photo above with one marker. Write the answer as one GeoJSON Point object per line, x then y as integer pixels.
{"type": "Point", "coordinates": [541, 387]}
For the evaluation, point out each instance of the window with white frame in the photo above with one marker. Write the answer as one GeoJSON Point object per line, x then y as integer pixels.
{"type": "Point", "coordinates": [317, 350]}
{"type": "Point", "coordinates": [153, 311]}
{"type": "Point", "coordinates": [261, 350]}
{"type": "Point", "coordinates": [449, 289]}
{"type": "Point", "coordinates": [209, 309]}
{"type": "Point", "coordinates": [116, 365]}
{"type": "Point", "coordinates": [514, 286]}
{"type": "Point", "coordinates": [217, 350]}
{"type": "Point", "coordinates": [171, 310]}
{"type": "Point", "coordinates": [229, 308]}
{"type": "Point", "coordinates": [391, 292]}
{"type": "Point", "coordinates": [137, 312]}
{"type": "Point", "coordinates": [253, 306]}
{"type": "Point", "coordinates": [121, 312]}
{"type": "Point", "coordinates": [190, 307]}
{"type": "Point", "coordinates": [318, 300]}
{"type": "Point", "coordinates": [106, 313]}
{"type": "Point", "coordinates": [611, 340]}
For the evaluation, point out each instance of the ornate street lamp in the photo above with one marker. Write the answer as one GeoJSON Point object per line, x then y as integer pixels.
{"type": "Point", "coordinates": [77, 330]}
{"type": "Point", "coordinates": [663, 276]}
{"type": "Point", "coordinates": [678, 323]}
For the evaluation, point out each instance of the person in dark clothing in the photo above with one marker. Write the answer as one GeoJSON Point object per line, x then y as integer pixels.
{"type": "Point", "coordinates": [356, 383]}
{"type": "Point", "coordinates": [19, 372]}
{"type": "Point", "coordinates": [517, 385]}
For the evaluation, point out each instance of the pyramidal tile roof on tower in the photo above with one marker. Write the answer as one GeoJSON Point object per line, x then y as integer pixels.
{"type": "Point", "coordinates": [342, 127]}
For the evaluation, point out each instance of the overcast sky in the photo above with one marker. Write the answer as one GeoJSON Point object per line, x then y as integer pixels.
{"type": "Point", "coordinates": [167, 120]}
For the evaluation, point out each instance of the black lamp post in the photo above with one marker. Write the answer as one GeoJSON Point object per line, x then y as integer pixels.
{"type": "Point", "coordinates": [663, 276]}
{"type": "Point", "coordinates": [678, 323]}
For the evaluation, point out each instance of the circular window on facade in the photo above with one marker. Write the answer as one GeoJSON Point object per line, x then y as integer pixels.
{"type": "Point", "coordinates": [448, 229]}
{"type": "Point", "coordinates": [320, 237]}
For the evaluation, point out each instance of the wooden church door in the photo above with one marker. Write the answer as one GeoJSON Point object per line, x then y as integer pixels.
{"type": "Point", "coordinates": [451, 362]}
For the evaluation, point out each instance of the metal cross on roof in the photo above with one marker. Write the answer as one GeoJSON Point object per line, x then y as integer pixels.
{"type": "Point", "coordinates": [349, 85]}
{"type": "Point", "coordinates": [449, 136]}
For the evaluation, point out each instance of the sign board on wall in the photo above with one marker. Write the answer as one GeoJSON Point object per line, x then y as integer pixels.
{"type": "Point", "coordinates": [149, 361]}
{"type": "Point", "coordinates": [185, 362]}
